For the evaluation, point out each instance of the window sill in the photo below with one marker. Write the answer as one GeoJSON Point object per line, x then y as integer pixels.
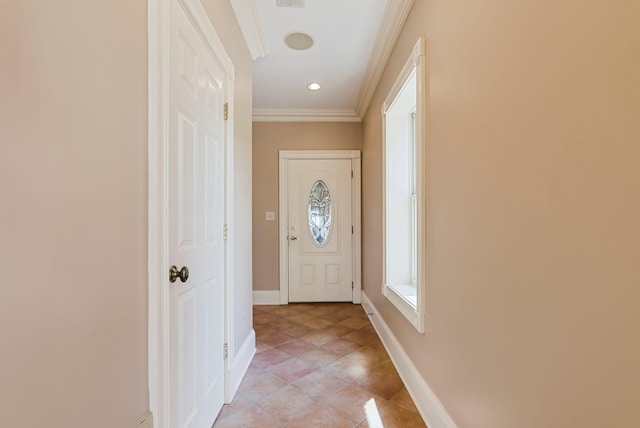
{"type": "Point", "coordinates": [404, 298]}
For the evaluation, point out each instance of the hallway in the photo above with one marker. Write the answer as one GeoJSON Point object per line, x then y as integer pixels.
{"type": "Point", "coordinates": [319, 365]}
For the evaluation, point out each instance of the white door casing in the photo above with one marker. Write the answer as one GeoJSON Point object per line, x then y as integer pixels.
{"type": "Point", "coordinates": [190, 78]}
{"type": "Point", "coordinates": [328, 270]}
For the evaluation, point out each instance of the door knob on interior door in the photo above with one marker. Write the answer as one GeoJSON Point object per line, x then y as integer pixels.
{"type": "Point", "coordinates": [174, 274]}
{"type": "Point", "coordinates": [293, 238]}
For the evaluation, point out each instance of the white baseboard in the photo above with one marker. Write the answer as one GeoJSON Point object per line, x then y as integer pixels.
{"type": "Point", "coordinates": [239, 365]}
{"type": "Point", "coordinates": [266, 297]}
{"type": "Point", "coordinates": [146, 421]}
{"type": "Point", "coordinates": [428, 404]}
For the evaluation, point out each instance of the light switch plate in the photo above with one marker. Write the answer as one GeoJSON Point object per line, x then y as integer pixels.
{"type": "Point", "coordinates": [270, 216]}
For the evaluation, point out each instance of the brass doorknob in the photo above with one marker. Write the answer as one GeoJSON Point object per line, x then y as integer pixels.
{"type": "Point", "coordinates": [174, 274]}
{"type": "Point", "coordinates": [293, 238]}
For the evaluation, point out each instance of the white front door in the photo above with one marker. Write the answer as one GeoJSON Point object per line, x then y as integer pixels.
{"type": "Point", "coordinates": [196, 207]}
{"type": "Point", "coordinates": [320, 230]}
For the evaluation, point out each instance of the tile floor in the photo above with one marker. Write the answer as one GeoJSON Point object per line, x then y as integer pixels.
{"type": "Point", "coordinates": [319, 365]}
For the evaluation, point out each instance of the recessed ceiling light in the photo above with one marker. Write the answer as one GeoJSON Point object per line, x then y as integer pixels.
{"type": "Point", "coordinates": [313, 86]}
{"type": "Point", "coordinates": [298, 41]}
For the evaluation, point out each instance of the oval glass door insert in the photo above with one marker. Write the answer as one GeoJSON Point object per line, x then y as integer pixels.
{"type": "Point", "coordinates": [320, 212]}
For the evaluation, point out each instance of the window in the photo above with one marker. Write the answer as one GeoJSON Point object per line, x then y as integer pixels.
{"type": "Point", "coordinates": [319, 212]}
{"type": "Point", "coordinates": [404, 189]}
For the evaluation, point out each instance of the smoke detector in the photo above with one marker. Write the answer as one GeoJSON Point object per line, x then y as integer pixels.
{"type": "Point", "coordinates": [290, 3]}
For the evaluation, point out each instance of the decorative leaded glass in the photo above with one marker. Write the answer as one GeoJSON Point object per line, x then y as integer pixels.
{"type": "Point", "coordinates": [320, 212]}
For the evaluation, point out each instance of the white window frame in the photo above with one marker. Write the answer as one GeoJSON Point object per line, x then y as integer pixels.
{"type": "Point", "coordinates": [400, 294]}
{"type": "Point", "coordinates": [414, 198]}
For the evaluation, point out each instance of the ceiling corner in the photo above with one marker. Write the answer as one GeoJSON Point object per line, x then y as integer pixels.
{"type": "Point", "coordinates": [395, 15]}
{"type": "Point", "coordinates": [251, 27]}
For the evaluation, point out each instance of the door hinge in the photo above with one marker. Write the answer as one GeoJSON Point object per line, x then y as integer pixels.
{"type": "Point", "coordinates": [225, 232]}
{"type": "Point", "coordinates": [351, 173]}
{"type": "Point", "coordinates": [226, 111]}
{"type": "Point", "coordinates": [226, 351]}
{"type": "Point", "coordinates": [352, 285]}
{"type": "Point", "coordinates": [352, 230]}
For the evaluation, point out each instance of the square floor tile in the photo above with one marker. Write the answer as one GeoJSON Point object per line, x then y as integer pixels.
{"type": "Point", "coordinates": [269, 357]}
{"type": "Point", "coordinates": [249, 416]}
{"type": "Point", "coordinates": [341, 346]}
{"type": "Point", "coordinates": [319, 357]}
{"type": "Point", "coordinates": [292, 369]}
{"type": "Point", "coordinates": [353, 401]}
{"type": "Point", "coordinates": [260, 385]}
{"type": "Point", "coordinates": [319, 365]}
{"type": "Point", "coordinates": [287, 404]}
{"type": "Point", "coordinates": [296, 347]}
{"type": "Point", "coordinates": [318, 338]}
{"type": "Point", "coordinates": [322, 417]}
{"type": "Point", "coordinates": [319, 384]}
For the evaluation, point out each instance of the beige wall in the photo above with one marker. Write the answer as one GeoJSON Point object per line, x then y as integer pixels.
{"type": "Point", "coordinates": [533, 285]}
{"type": "Point", "coordinates": [268, 139]}
{"type": "Point", "coordinates": [73, 228]}
{"type": "Point", "coordinates": [73, 216]}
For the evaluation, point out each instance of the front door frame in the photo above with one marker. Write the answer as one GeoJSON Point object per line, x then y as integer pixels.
{"type": "Point", "coordinates": [283, 228]}
{"type": "Point", "coordinates": [158, 202]}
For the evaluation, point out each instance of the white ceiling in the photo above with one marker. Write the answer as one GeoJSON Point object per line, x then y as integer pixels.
{"type": "Point", "coordinates": [353, 42]}
{"type": "Point", "coordinates": [344, 32]}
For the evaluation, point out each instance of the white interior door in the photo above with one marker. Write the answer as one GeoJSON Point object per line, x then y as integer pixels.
{"type": "Point", "coordinates": [196, 207]}
{"type": "Point", "coordinates": [320, 230]}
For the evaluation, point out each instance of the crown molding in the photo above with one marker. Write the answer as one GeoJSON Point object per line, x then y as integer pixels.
{"type": "Point", "coordinates": [395, 14]}
{"type": "Point", "coordinates": [251, 27]}
{"type": "Point", "coordinates": [304, 115]}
